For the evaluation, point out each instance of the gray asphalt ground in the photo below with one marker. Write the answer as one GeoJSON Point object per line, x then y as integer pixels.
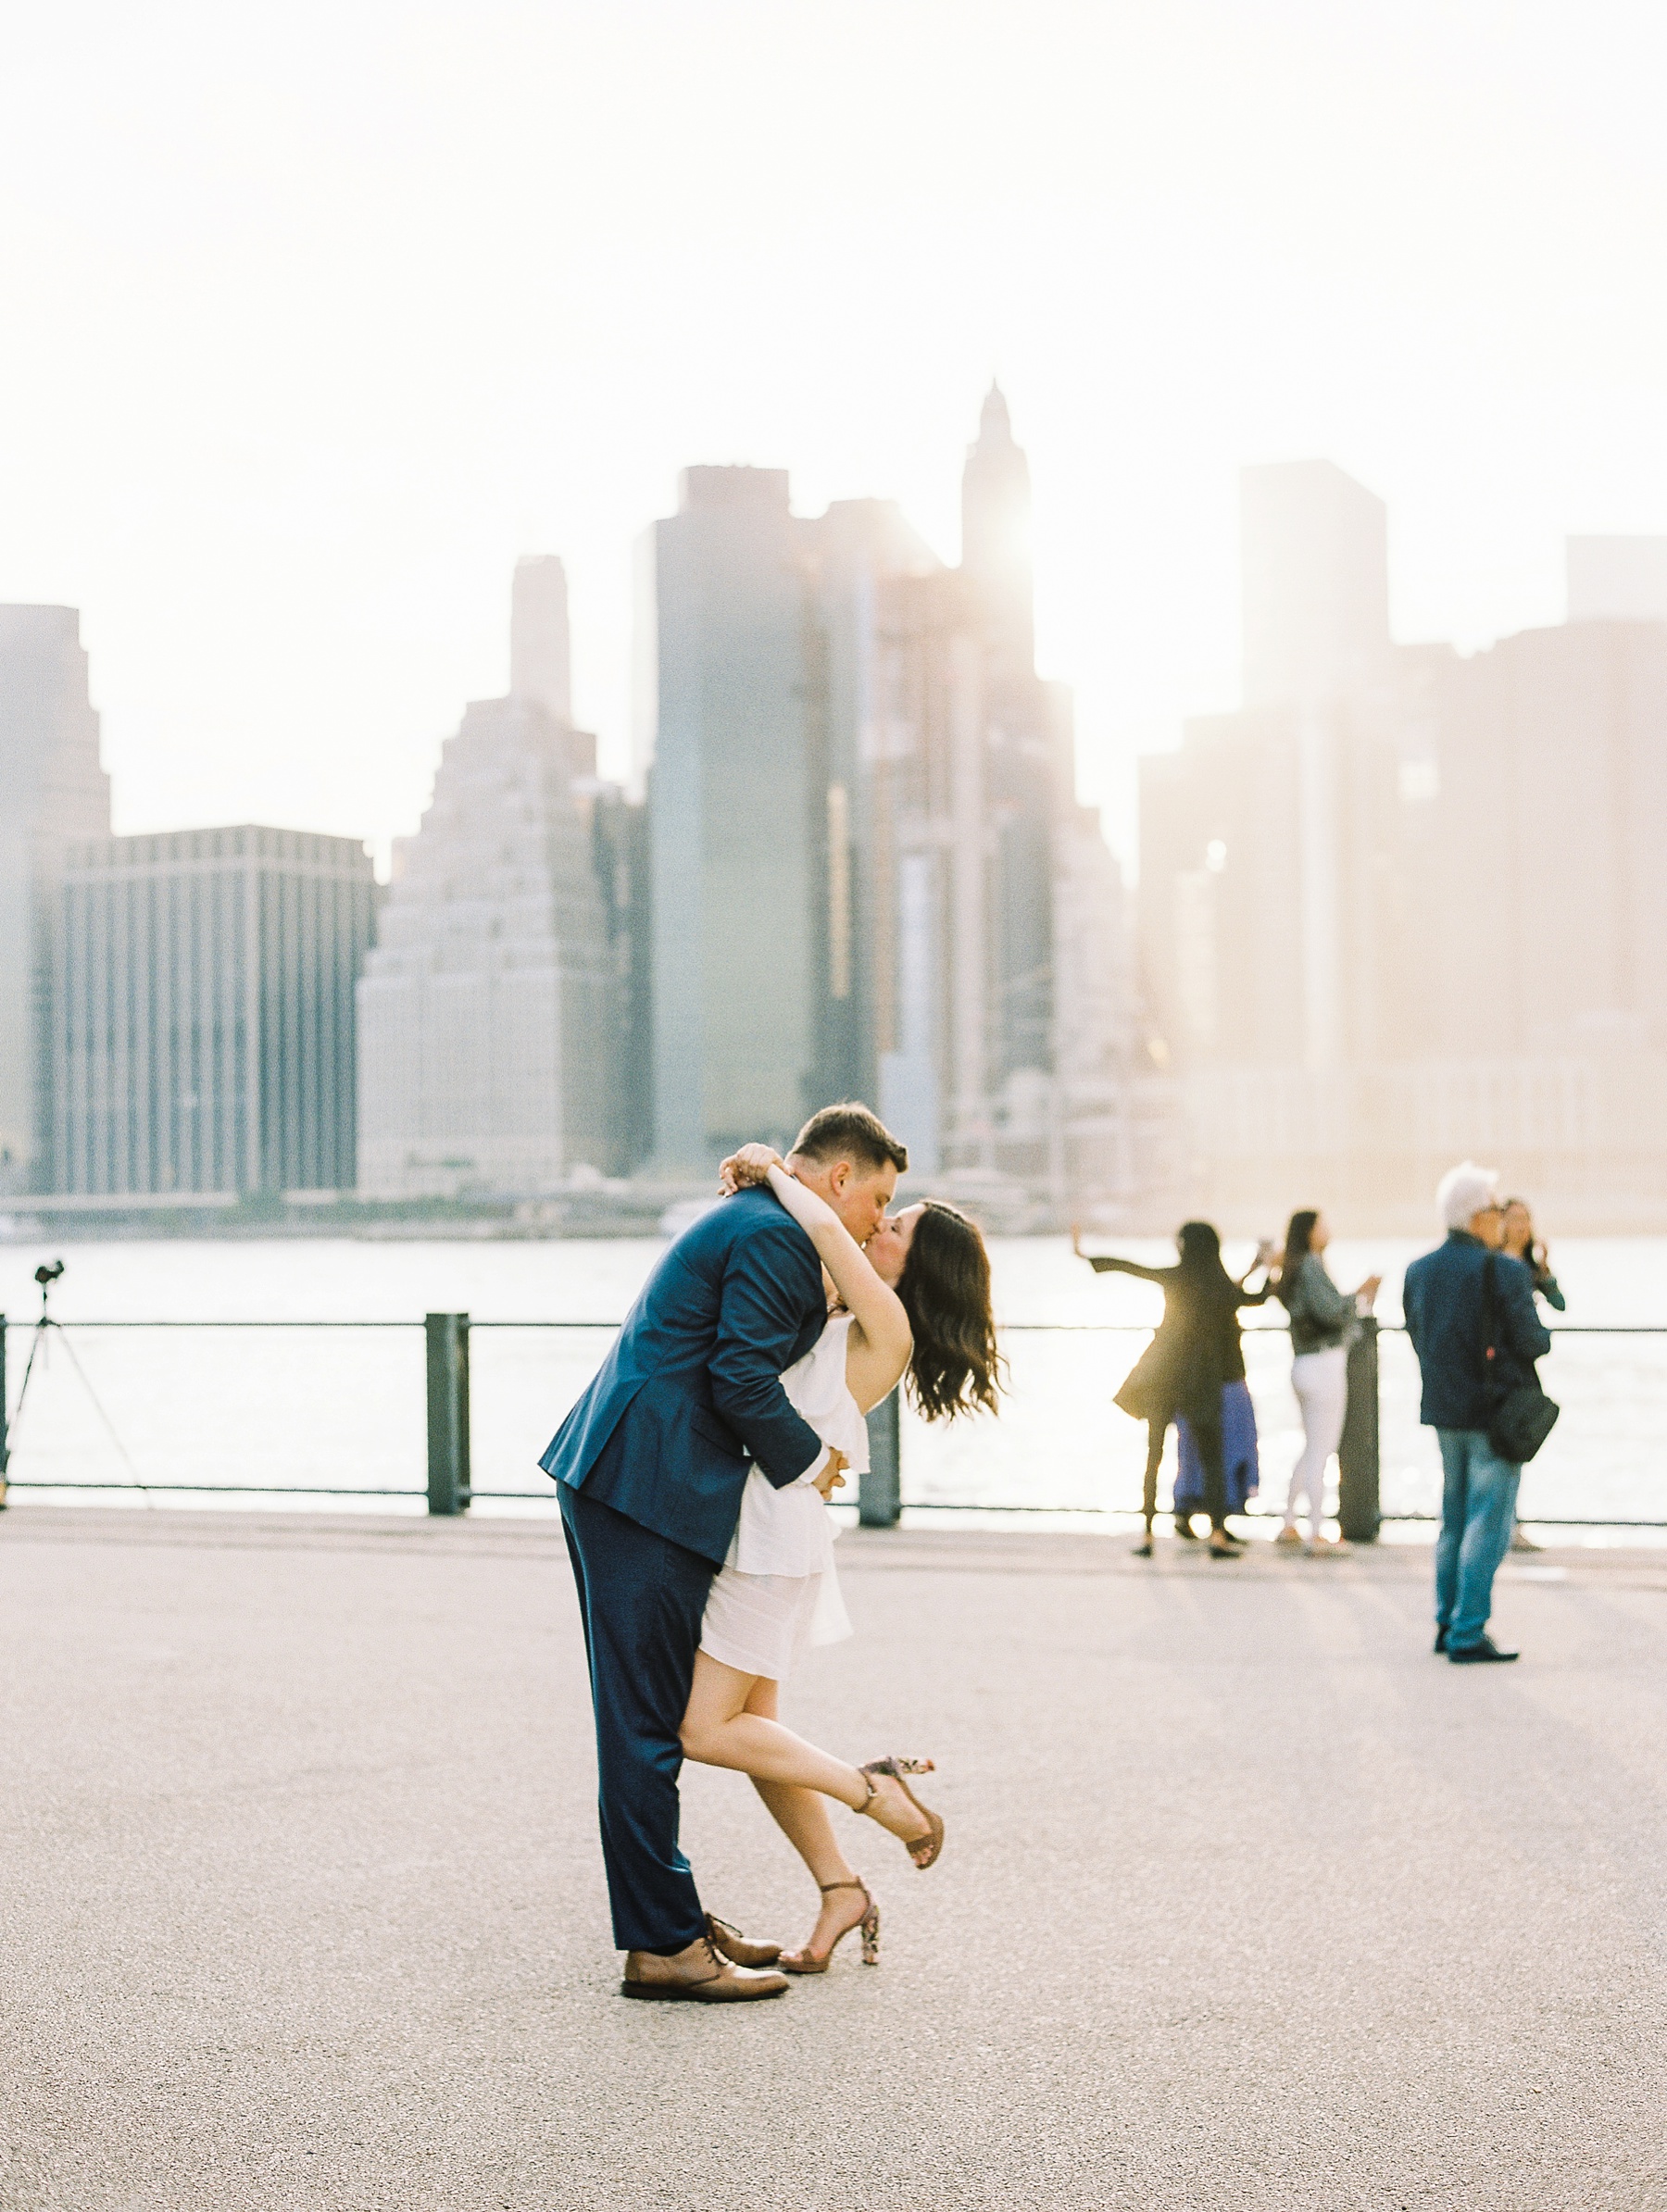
{"type": "Point", "coordinates": [1246, 1901]}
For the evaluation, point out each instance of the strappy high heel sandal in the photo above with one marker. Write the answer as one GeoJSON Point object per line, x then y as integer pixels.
{"type": "Point", "coordinates": [806, 1961]}
{"type": "Point", "coordinates": [921, 1849]}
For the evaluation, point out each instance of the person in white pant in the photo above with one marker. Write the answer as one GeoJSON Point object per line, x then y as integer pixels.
{"type": "Point", "coordinates": [1322, 1324]}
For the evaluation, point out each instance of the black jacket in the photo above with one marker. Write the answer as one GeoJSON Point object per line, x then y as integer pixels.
{"type": "Point", "coordinates": [1197, 1348]}
{"type": "Point", "coordinates": [1444, 1299]}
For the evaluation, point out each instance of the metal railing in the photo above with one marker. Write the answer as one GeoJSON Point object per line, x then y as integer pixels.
{"type": "Point", "coordinates": [449, 1489]}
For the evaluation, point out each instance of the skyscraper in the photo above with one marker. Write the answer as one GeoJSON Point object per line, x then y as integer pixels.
{"type": "Point", "coordinates": [1412, 911]}
{"type": "Point", "coordinates": [860, 803]}
{"type": "Point", "coordinates": [487, 1011]}
{"type": "Point", "coordinates": [932, 946]}
{"type": "Point", "coordinates": [857, 554]}
{"type": "Point", "coordinates": [995, 543]}
{"type": "Point", "coordinates": [1029, 780]}
{"type": "Point", "coordinates": [1245, 891]}
{"type": "Point", "coordinates": [1617, 579]}
{"type": "Point", "coordinates": [1315, 568]}
{"type": "Point", "coordinates": [53, 790]}
{"type": "Point", "coordinates": [203, 1011]}
{"type": "Point", "coordinates": [737, 818]}
{"type": "Point", "coordinates": [540, 650]}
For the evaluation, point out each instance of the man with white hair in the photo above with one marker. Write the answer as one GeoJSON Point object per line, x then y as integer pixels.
{"type": "Point", "coordinates": [1445, 1299]}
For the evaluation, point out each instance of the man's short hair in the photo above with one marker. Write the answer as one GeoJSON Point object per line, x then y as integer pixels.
{"type": "Point", "coordinates": [1466, 1191]}
{"type": "Point", "coordinates": [851, 1132]}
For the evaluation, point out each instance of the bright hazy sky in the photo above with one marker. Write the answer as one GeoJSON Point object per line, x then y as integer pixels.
{"type": "Point", "coordinates": [312, 317]}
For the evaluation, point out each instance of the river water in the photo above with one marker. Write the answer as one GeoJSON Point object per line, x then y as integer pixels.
{"type": "Point", "coordinates": [284, 1410]}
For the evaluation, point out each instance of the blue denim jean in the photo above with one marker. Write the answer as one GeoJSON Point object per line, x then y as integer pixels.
{"type": "Point", "coordinates": [1478, 1509]}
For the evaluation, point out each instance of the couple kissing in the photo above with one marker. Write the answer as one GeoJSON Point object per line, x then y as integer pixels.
{"type": "Point", "coordinates": [694, 1478]}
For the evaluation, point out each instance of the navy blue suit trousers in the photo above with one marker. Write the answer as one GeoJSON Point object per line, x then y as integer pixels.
{"type": "Point", "coordinates": [642, 1598]}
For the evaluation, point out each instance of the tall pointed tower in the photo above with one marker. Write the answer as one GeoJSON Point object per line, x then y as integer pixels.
{"type": "Point", "coordinates": [995, 552]}
{"type": "Point", "coordinates": [486, 1015]}
{"type": "Point", "coordinates": [1022, 783]}
{"type": "Point", "coordinates": [539, 648]}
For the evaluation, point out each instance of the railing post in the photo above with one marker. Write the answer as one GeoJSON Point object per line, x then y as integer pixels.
{"type": "Point", "coordinates": [880, 1491]}
{"type": "Point", "coordinates": [1358, 1464]}
{"type": "Point", "coordinates": [447, 1342]}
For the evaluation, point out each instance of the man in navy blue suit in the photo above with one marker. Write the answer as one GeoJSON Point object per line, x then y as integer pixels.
{"type": "Point", "coordinates": [652, 1462]}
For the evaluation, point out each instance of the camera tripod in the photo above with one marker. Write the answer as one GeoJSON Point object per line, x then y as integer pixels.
{"type": "Point", "coordinates": [45, 1326]}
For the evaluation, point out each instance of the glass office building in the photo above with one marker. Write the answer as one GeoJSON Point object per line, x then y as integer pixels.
{"type": "Point", "coordinates": [204, 1021]}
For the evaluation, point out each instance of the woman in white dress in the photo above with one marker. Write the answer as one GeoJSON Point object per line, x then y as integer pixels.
{"type": "Point", "coordinates": [918, 1300]}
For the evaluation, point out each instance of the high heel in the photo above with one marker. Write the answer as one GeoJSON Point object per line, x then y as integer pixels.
{"type": "Point", "coordinates": [922, 1849]}
{"type": "Point", "coordinates": [806, 1961]}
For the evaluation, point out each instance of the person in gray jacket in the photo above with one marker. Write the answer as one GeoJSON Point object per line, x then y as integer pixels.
{"type": "Point", "coordinates": [1322, 1324]}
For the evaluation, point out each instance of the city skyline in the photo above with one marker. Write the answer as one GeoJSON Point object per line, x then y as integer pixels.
{"type": "Point", "coordinates": [309, 340]}
{"type": "Point", "coordinates": [850, 862]}
{"type": "Point", "coordinates": [853, 761]}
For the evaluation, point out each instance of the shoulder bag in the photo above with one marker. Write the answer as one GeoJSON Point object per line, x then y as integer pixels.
{"type": "Point", "coordinates": [1520, 1415]}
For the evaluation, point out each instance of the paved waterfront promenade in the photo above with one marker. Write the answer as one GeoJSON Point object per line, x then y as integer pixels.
{"type": "Point", "coordinates": [1247, 1901]}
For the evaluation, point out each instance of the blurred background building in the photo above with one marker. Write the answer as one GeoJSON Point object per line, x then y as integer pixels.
{"type": "Point", "coordinates": [1403, 906]}
{"type": "Point", "coordinates": [739, 971]}
{"type": "Point", "coordinates": [495, 1012]}
{"type": "Point", "coordinates": [204, 1017]}
{"type": "Point", "coordinates": [53, 790]}
{"type": "Point", "coordinates": [870, 876]}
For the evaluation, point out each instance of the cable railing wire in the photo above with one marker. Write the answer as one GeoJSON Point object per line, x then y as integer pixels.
{"type": "Point", "coordinates": [535, 1497]}
{"type": "Point", "coordinates": [1003, 1328]}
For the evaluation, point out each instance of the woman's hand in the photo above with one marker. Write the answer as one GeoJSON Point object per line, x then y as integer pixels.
{"type": "Point", "coordinates": [1367, 1294]}
{"type": "Point", "coordinates": [750, 1165]}
{"type": "Point", "coordinates": [833, 1475]}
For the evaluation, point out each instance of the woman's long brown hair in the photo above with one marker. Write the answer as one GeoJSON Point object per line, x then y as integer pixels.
{"type": "Point", "coordinates": [955, 1367]}
{"type": "Point", "coordinates": [1296, 1249]}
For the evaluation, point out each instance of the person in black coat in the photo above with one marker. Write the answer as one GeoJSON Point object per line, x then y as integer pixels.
{"type": "Point", "coordinates": [1473, 1323]}
{"type": "Point", "coordinates": [1194, 1354]}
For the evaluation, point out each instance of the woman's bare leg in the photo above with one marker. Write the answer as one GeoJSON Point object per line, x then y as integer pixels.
{"type": "Point", "coordinates": [803, 1818]}
{"type": "Point", "coordinates": [1156, 1431]}
{"type": "Point", "coordinates": [719, 1730]}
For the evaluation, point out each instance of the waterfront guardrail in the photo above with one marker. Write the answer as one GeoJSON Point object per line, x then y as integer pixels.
{"type": "Point", "coordinates": [448, 1421]}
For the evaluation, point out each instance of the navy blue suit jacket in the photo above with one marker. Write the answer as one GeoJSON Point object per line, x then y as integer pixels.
{"type": "Point", "coordinates": [1444, 1301]}
{"type": "Point", "coordinates": [691, 1391]}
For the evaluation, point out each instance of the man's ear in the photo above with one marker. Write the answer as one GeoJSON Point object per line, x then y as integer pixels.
{"type": "Point", "coordinates": [839, 1176]}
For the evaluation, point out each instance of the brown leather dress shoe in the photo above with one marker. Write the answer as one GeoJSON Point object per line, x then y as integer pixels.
{"type": "Point", "coordinates": [697, 1974]}
{"type": "Point", "coordinates": [740, 1950]}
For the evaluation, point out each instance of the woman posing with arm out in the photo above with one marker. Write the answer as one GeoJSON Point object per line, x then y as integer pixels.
{"type": "Point", "coordinates": [918, 1300]}
{"type": "Point", "coordinates": [1147, 1392]}
{"type": "Point", "coordinates": [1182, 1371]}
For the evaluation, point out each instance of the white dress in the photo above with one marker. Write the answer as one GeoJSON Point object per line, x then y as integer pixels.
{"type": "Point", "coordinates": [777, 1593]}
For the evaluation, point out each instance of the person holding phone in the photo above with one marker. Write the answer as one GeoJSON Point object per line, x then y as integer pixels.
{"type": "Point", "coordinates": [1323, 1325]}
{"type": "Point", "coordinates": [1520, 1244]}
